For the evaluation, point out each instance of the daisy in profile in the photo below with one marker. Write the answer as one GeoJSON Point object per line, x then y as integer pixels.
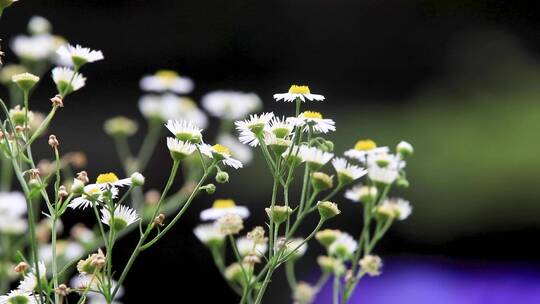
{"type": "Point", "coordinates": [343, 247]}
{"type": "Point", "coordinates": [239, 150]}
{"type": "Point", "coordinates": [67, 80]}
{"type": "Point", "coordinates": [106, 185]}
{"type": "Point", "coordinates": [77, 55]}
{"type": "Point", "coordinates": [222, 207]}
{"type": "Point", "coordinates": [123, 216]}
{"type": "Point", "coordinates": [395, 208]}
{"type": "Point", "coordinates": [300, 92]}
{"type": "Point", "coordinates": [248, 246]}
{"type": "Point", "coordinates": [209, 234]}
{"type": "Point", "coordinates": [165, 107]}
{"type": "Point", "coordinates": [18, 297]}
{"type": "Point", "coordinates": [253, 127]}
{"type": "Point", "coordinates": [231, 105]}
{"type": "Point", "coordinates": [167, 81]}
{"type": "Point", "coordinates": [185, 131]}
{"type": "Point", "coordinates": [365, 148]}
{"type": "Point", "coordinates": [346, 172]}
{"type": "Point", "coordinates": [314, 120]}
{"type": "Point", "coordinates": [362, 193]}
{"type": "Point", "coordinates": [315, 157]}
{"type": "Point", "coordinates": [180, 149]}
{"type": "Point", "coordinates": [220, 153]}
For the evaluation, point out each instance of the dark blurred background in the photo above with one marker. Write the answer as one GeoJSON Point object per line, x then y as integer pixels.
{"type": "Point", "coordinates": [458, 79]}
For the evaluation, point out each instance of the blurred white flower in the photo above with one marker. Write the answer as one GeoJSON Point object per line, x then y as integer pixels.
{"type": "Point", "coordinates": [12, 211]}
{"type": "Point", "coordinates": [248, 246]}
{"type": "Point", "coordinates": [221, 207]}
{"type": "Point", "coordinates": [69, 55]}
{"type": "Point", "coordinates": [301, 92]}
{"type": "Point", "coordinates": [171, 107]}
{"type": "Point", "coordinates": [167, 81]}
{"type": "Point", "coordinates": [35, 48]}
{"type": "Point", "coordinates": [39, 25]}
{"type": "Point", "coordinates": [67, 80]}
{"type": "Point", "coordinates": [231, 105]}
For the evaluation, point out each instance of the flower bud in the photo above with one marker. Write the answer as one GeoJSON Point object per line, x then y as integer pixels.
{"type": "Point", "coordinates": [321, 181]}
{"type": "Point", "coordinates": [222, 177]}
{"type": "Point", "coordinates": [62, 290]}
{"type": "Point", "coordinates": [83, 177]}
{"type": "Point", "coordinates": [62, 191]}
{"type": "Point", "coordinates": [368, 193]}
{"type": "Point", "coordinates": [328, 209]}
{"type": "Point", "coordinates": [137, 179]}
{"type": "Point", "coordinates": [327, 236]}
{"type": "Point", "coordinates": [120, 126]}
{"type": "Point", "coordinates": [53, 141]}
{"type": "Point", "coordinates": [230, 224]}
{"type": "Point", "coordinates": [402, 182]}
{"type": "Point", "coordinates": [371, 264]}
{"type": "Point", "coordinates": [210, 188]}
{"type": "Point", "coordinates": [278, 214]}
{"type": "Point", "coordinates": [25, 81]}
{"type": "Point", "coordinates": [21, 267]}
{"type": "Point", "coordinates": [405, 149]}
{"type": "Point", "coordinates": [77, 187]}
{"type": "Point", "coordinates": [304, 293]}
{"type": "Point", "coordinates": [158, 221]}
{"type": "Point", "coordinates": [57, 101]}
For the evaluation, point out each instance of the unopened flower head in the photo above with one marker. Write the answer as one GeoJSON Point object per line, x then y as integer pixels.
{"type": "Point", "coordinates": [295, 247]}
{"type": "Point", "coordinates": [39, 25]}
{"type": "Point", "coordinates": [30, 281]}
{"type": "Point", "coordinates": [220, 153]}
{"type": "Point", "coordinates": [67, 80]}
{"type": "Point", "coordinates": [301, 92]}
{"type": "Point", "coordinates": [122, 217]}
{"type": "Point", "coordinates": [77, 55]}
{"type": "Point", "coordinates": [371, 264]}
{"type": "Point", "coordinates": [25, 81]}
{"type": "Point", "coordinates": [253, 127]}
{"type": "Point", "coordinates": [327, 236]}
{"type": "Point", "coordinates": [321, 181]}
{"type": "Point", "coordinates": [120, 126]}
{"type": "Point", "coordinates": [222, 207]}
{"type": "Point", "coordinates": [167, 81]}
{"type": "Point", "coordinates": [365, 148]}
{"type": "Point", "coordinates": [362, 193]}
{"type": "Point", "coordinates": [328, 209]}
{"type": "Point", "coordinates": [331, 265]}
{"type": "Point", "coordinates": [93, 263]}
{"type": "Point", "coordinates": [257, 235]}
{"type": "Point", "coordinates": [278, 145]}
{"type": "Point", "coordinates": [248, 246]}
{"type": "Point", "coordinates": [209, 234]}
{"type": "Point", "coordinates": [231, 105]}
{"type": "Point", "coordinates": [278, 214]}
{"type": "Point", "coordinates": [304, 293]}
{"type": "Point", "coordinates": [137, 179]}
{"type": "Point", "coordinates": [230, 224]}
{"type": "Point", "coordinates": [404, 149]}
{"type": "Point", "coordinates": [343, 247]}
{"type": "Point", "coordinates": [314, 120]}
{"type": "Point", "coordinates": [347, 173]}
{"type": "Point", "coordinates": [315, 157]}
{"type": "Point", "coordinates": [185, 131]}
{"type": "Point", "coordinates": [394, 208]}
{"type": "Point", "coordinates": [180, 149]}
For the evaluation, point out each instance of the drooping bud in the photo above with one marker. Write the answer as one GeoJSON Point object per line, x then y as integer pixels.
{"type": "Point", "coordinates": [328, 209]}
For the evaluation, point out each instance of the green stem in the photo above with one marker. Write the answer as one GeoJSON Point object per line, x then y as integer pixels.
{"type": "Point", "coordinates": [289, 272]}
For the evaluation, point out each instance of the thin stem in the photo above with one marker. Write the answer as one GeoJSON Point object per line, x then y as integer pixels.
{"type": "Point", "coordinates": [289, 272]}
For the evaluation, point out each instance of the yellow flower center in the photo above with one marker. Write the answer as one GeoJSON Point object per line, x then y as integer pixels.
{"type": "Point", "coordinates": [167, 74]}
{"type": "Point", "coordinates": [224, 204]}
{"type": "Point", "coordinates": [106, 178]}
{"type": "Point", "coordinates": [310, 114]}
{"type": "Point", "coordinates": [221, 149]}
{"type": "Point", "coordinates": [365, 145]}
{"type": "Point", "coordinates": [299, 89]}
{"type": "Point", "coordinates": [93, 190]}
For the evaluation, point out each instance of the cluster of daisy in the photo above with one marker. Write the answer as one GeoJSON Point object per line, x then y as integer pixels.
{"type": "Point", "coordinates": [289, 145]}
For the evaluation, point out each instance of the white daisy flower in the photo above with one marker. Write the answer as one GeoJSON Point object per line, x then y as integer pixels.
{"type": "Point", "coordinates": [301, 92]}
{"type": "Point", "coordinates": [171, 107]}
{"type": "Point", "coordinates": [250, 128]}
{"type": "Point", "coordinates": [315, 120]}
{"type": "Point", "coordinates": [314, 156]}
{"type": "Point", "coordinates": [39, 25]}
{"type": "Point", "coordinates": [386, 175]}
{"type": "Point", "coordinates": [363, 149]}
{"type": "Point", "coordinates": [67, 80]}
{"type": "Point", "coordinates": [343, 247]}
{"type": "Point", "coordinates": [35, 48]}
{"type": "Point", "coordinates": [395, 208]}
{"type": "Point", "coordinates": [123, 217]}
{"type": "Point", "coordinates": [231, 105]}
{"type": "Point", "coordinates": [209, 234]}
{"type": "Point", "coordinates": [222, 207]}
{"type": "Point", "coordinates": [30, 281]}
{"type": "Point", "coordinates": [77, 55]}
{"type": "Point", "coordinates": [180, 149]}
{"type": "Point", "coordinates": [18, 297]}
{"type": "Point", "coordinates": [248, 246]}
{"type": "Point", "coordinates": [92, 193]}
{"type": "Point", "coordinates": [347, 173]}
{"type": "Point", "coordinates": [291, 245]}
{"type": "Point", "coordinates": [361, 193]}
{"type": "Point", "coordinates": [185, 131]}
{"type": "Point", "coordinates": [188, 110]}
{"type": "Point", "coordinates": [12, 205]}
{"type": "Point", "coordinates": [239, 150]}
{"type": "Point", "coordinates": [82, 281]}
{"type": "Point", "coordinates": [165, 81]}
{"type": "Point", "coordinates": [280, 127]}
{"type": "Point", "coordinates": [220, 153]}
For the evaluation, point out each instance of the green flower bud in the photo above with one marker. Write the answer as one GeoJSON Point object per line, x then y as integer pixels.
{"type": "Point", "coordinates": [120, 126]}
{"type": "Point", "coordinates": [222, 177]}
{"type": "Point", "coordinates": [25, 81]}
{"type": "Point", "coordinates": [210, 188]}
{"type": "Point", "coordinates": [278, 214]}
{"type": "Point", "coordinates": [321, 181]}
{"type": "Point", "coordinates": [328, 209]}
